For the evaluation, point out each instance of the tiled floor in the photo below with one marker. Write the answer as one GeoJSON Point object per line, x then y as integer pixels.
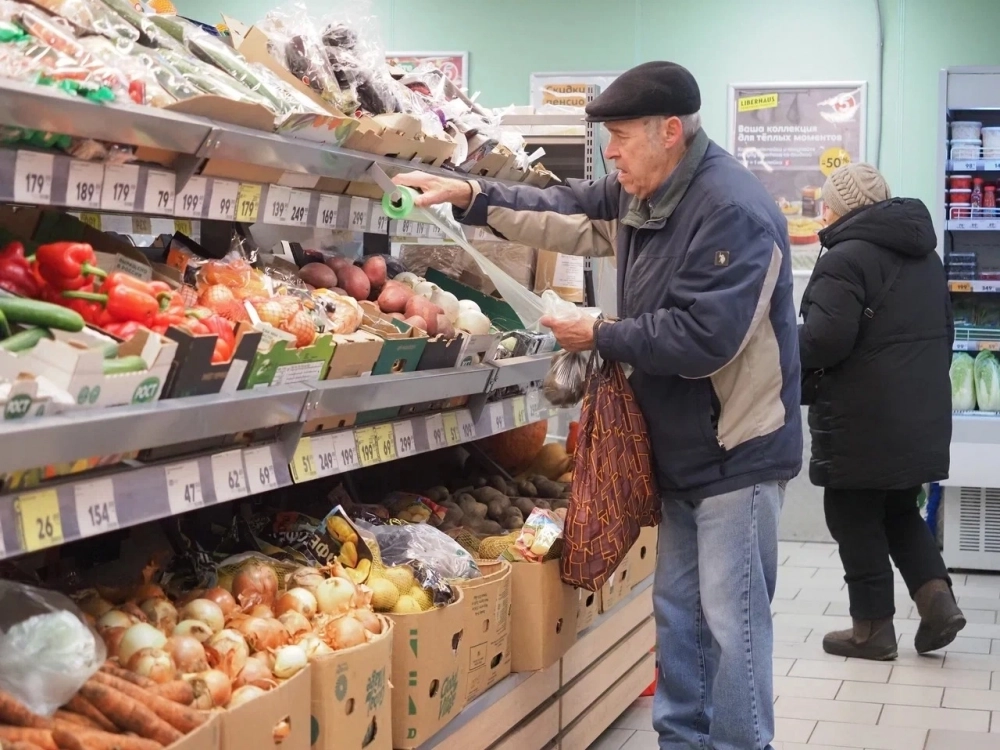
{"type": "Point", "coordinates": [949, 701]}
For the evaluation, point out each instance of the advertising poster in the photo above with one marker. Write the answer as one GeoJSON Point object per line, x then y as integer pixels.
{"type": "Point", "coordinates": [792, 136]}
{"type": "Point", "coordinates": [455, 65]}
{"type": "Point", "coordinates": [566, 89]}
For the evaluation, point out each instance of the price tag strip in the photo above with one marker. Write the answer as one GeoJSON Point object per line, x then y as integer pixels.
{"type": "Point", "coordinates": [95, 507]}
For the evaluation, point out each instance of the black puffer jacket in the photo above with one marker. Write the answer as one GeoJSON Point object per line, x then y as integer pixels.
{"type": "Point", "coordinates": [882, 415]}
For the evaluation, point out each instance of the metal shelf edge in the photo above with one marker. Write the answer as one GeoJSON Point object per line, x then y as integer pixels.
{"type": "Point", "coordinates": [521, 370]}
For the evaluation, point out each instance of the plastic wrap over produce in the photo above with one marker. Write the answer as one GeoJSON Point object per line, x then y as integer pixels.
{"type": "Point", "coordinates": [516, 260]}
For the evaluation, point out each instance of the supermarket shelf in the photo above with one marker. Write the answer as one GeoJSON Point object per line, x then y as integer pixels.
{"type": "Point", "coordinates": [66, 437]}
{"type": "Point", "coordinates": [973, 165]}
{"type": "Point", "coordinates": [520, 370]}
{"type": "Point", "coordinates": [973, 225]}
{"type": "Point", "coordinates": [975, 286]}
{"type": "Point", "coordinates": [974, 441]}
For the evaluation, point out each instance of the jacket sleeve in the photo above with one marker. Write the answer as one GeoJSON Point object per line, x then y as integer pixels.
{"type": "Point", "coordinates": [579, 218]}
{"type": "Point", "coordinates": [836, 304]}
{"type": "Point", "coordinates": [723, 289]}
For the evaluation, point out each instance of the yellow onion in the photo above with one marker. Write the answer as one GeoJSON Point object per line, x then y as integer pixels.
{"type": "Point", "coordinates": [289, 661]}
{"type": "Point", "coordinates": [223, 598]}
{"type": "Point", "coordinates": [255, 673]}
{"type": "Point", "coordinates": [306, 578]}
{"type": "Point", "coordinates": [227, 651]}
{"type": "Point", "coordinates": [261, 634]}
{"type": "Point", "coordinates": [212, 689]}
{"type": "Point", "coordinates": [369, 619]}
{"type": "Point", "coordinates": [114, 618]}
{"type": "Point", "coordinates": [206, 611]}
{"type": "Point", "coordinates": [314, 647]}
{"type": "Point", "coordinates": [153, 663]}
{"type": "Point", "coordinates": [148, 591]}
{"type": "Point", "coordinates": [345, 632]}
{"type": "Point", "coordinates": [261, 610]}
{"type": "Point", "coordinates": [335, 596]}
{"type": "Point", "coordinates": [161, 614]}
{"type": "Point", "coordinates": [243, 695]}
{"type": "Point", "coordinates": [194, 628]}
{"type": "Point", "coordinates": [94, 604]}
{"type": "Point", "coordinates": [139, 636]}
{"type": "Point", "coordinates": [256, 583]}
{"type": "Point", "coordinates": [295, 623]}
{"type": "Point", "coordinates": [300, 600]}
{"type": "Point", "coordinates": [187, 652]}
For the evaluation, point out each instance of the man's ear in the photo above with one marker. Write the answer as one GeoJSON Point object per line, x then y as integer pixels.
{"type": "Point", "coordinates": [672, 132]}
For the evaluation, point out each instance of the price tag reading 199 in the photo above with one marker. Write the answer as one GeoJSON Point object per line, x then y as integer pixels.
{"type": "Point", "coordinates": [368, 449]}
{"type": "Point", "coordinates": [191, 200]}
{"type": "Point", "coordinates": [184, 487]}
{"type": "Point", "coordinates": [347, 450]}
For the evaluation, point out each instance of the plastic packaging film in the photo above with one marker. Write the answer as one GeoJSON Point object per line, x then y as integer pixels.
{"type": "Point", "coordinates": [528, 306]}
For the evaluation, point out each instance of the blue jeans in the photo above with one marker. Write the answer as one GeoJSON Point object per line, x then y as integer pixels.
{"type": "Point", "coordinates": [715, 572]}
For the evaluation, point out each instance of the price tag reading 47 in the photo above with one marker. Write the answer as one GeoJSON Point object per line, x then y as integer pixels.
{"type": "Point", "coordinates": [40, 524]}
{"type": "Point", "coordinates": [184, 487]}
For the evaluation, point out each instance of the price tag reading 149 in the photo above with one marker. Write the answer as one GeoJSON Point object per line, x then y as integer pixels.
{"type": "Point", "coordinates": [184, 487]}
{"type": "Point", "coordinates": [40, 523]}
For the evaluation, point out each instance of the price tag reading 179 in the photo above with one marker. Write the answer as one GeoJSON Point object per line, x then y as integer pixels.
{"type": "Point", "coordinates": [33, 178]}
{"type": "Point", "coordinates": [40, 523]}
{"type": "Point", "coordinates": [261, 475]}
{"type": "Point", "coordinates": [121, 183]}
{"type": "Point", "coordinates": [228, 476]}
{"type": "Point", "coordinates": [247, 203]}
{"type": "Point", "coordinates": [184, 487]}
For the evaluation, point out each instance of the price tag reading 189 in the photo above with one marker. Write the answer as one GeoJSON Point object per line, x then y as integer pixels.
{"type": "Point", "coordinates": [367, 442]}
{"type": "Point", "coordinates": [40, 523]}
{"type": "Point", "coordinates": [95, 507]}
{"type": "Point", "coordinates": [261, 475]}
{"type": "Point", "coordinates": [228, 476]}
{"type": "Point", "coordinates": [83, 190]}
{"type": "Point", "coordinates": [403, 432]}
{"type": "Point", "coordinates": [184, 487]}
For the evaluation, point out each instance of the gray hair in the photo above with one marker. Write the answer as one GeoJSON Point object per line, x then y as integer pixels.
{"type": "Point", "coordinates": [690, 125]}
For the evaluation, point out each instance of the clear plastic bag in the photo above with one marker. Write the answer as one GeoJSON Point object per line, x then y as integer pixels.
{"type": "Point", "coordinates": [566, 381]}
{"type": "Point", "coordinates": [47, 651]}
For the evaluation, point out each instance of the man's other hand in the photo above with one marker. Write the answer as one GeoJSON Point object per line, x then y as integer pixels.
{"type": "Point", "coordinates": [434, 190]}
{"type": "Point", "coordinates": [576, 336]}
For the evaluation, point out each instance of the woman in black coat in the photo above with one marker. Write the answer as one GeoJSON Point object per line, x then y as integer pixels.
{"type": "Point", "coordinates": [876, 347]}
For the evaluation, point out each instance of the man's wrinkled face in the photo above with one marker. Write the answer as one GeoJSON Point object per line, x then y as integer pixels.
{"type": "Point", "coordinates": [641, 151]}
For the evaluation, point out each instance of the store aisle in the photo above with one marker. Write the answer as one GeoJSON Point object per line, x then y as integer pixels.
{"type": "Point", "coordinates": [943, 702]}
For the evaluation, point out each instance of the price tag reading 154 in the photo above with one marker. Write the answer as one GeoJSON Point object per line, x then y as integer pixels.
{"type": "Point", "coordinates": [95, 507]}
{"type": "Point", "coordinates": [40, 523]}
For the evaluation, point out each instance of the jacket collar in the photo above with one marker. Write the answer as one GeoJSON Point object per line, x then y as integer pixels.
{"type": "Point", "coordinates": [661, 204]}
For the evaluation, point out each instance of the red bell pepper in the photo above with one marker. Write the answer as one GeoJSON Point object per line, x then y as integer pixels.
{"type": "Point", "coordinates": [223, 352]}
{"type": "Point", "coordinates": [123, 331]}
{"type": "Point", "coordinates": [90, 311]}
{"type": "Point", "coordinates": [123, 304]}
{"type": "Point", "coordinates": [16, 275]}
{"type": "Point", "coordinates": [67, 266]}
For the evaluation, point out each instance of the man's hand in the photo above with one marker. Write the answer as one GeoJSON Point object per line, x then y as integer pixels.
{"type": "Point", "coordinates": [577, 336]}
{"type": "Point", "coordinates": [435, 190]}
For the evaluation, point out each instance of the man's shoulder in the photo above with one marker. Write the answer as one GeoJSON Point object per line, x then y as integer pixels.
{"type": "Point", "coordinates": [723, 182]}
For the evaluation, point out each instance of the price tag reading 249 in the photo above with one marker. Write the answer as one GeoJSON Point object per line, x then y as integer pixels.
{"type": "Point", "coordinates": [40, 522]}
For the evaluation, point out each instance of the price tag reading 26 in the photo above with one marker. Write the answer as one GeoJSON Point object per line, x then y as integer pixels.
{"type": "Point", "coordinates": [40, 522]}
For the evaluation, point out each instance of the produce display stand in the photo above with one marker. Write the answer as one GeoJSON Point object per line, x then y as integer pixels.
{"type": "Point", "coordinates": [972, 492]}
{"type": "Point", "coordinates": [570, 703]}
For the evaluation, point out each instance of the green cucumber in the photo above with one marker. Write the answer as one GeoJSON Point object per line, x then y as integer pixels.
{"type": "Point", "coordinates": [120, 365]}
{"type": "Point", "coordinates": [111, 350]}
{"type": "Point", "coordinates": [26, 339]}
{"type": "Point", "coordinates": [34, 312]}
{"type": "Point", "coordinates": [4, 326]}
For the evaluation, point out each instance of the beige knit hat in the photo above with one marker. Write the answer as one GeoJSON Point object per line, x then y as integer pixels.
{"type": "Point", "coordinates": [854, 186]}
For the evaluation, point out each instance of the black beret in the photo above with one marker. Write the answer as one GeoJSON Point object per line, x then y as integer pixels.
{"type": "Point", "coordinates": [648, 90]}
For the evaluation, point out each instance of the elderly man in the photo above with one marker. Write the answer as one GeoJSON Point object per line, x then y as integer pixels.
{"type": "Point", "coordinates": [708, 324]}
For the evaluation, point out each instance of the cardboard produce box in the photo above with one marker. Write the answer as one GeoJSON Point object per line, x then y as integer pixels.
{"type": "Point", "coordinates": [488, 626]}
{"type": "Point", "coordinates": [252, 725]}
{"type": "Point", "coordinates": [590, 604]}
{"type": "Point", "coordinates": [543, 615]}
{"type": "Point", "coordinates": [351, 707]}
{"type": "Point", "coordinates": [563, 274]}
{"type": "Point", "coordinates": [354, 356]}
{"type": "Point", "coordinates": [642, 556]}
{"type": "Point", "coordinates": [26, 397]}
{"type": "Point", "coordinates": [205, 737]}
{"type": "Point", "coordinates": [618, 586]}
{"type": "Point", "coordinates": [193, 372]}
{"type": "Point", "coordinates": [430, 653]}
{"type": "Point", "coordinates": [279, 363]}
{"type": "Point", "coordinates": [402, 348]}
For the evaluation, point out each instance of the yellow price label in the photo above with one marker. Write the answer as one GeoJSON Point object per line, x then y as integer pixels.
{"type": "Point", "coordinates": [451, 432]}
{"type": "Point", "coordinates": [368, 446]}
{"type": "Point", "coordinates": [183, 226]}
{"type": "Point", "coordinates": [92, 220]}
{"type": "Point", "coordinates": [303, 466]}
{"type": "Point", "coordinates": [247, 202]}
{"type": "Point", "coordinates": [989, 346]}
{"type": "Point", "coordinates": [142, 225]}
{"type": "Point", "coordinates": [41, 525]}
{"type": "Point", "coordinates": [832, 158]}
{"type": "Point", "coordinates": [960, 286]}
{"type": "Point", "coordinates": [520, 412]}
{"type": "Point", "coordinates": [386, 442]}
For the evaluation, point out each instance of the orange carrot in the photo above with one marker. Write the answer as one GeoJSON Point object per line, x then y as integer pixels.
{"type": "Point", "coordinates": [178, 691]}
{"type": "Point", "coordinates": [20, 746]}
{"type": "Point", "coordinates": [180, 717]}
{"type": "Point", "coordinates": [40, 737]}
{"type": "Point", "coordinates": [91, 740]}
{"type": "Point", "coordinates": [15, 713]}
{"type": "Point", "coordinates": [81, 706]}
{"type": "Point", "coordinates": [124, 674]}
{"type": "Point", "coordinates": [68, 717]}
{"type": "Point", "coordinates": [129, 714]}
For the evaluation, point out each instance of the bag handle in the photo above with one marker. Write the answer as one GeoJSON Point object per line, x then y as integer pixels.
{"type": "Point", "coordinates": [870, 310]}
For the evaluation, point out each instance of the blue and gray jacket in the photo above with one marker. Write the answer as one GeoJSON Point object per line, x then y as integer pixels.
{"type": "Point", "coordinates": [708, 320]}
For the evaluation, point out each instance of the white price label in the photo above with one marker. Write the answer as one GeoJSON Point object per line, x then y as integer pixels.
{"type": "Point", "coordinates": [534, 406]}
{"type": "Point", "coordinates": [298, 208]}
{"type": "Point", "coordinates": [120, 186]}
{"type": "Point", "coordinates": [466, 427]}
{"type": "Point", "coordinates": [329, 205]}
{"type": "Point", "coordinates": [261, 475]}
{"type": "Point", "coordinates": [228, 476]}
{"type": "Point", "coordinates": [436, 437]}
{"type": "Point", "coordinates": [276, 210]}
{"type": "Point", "coordinates": [408, 228]}
{"type": "Point", "coordinates": [359, 214]}
{"type": "Point", "coordinates": [498, 423]}
{"type": "Point", "coordinates": [160, 192]}
{"type": "Point", "coordinates": [33, 178]}
{"type": "Point", "coordinates": [346, 450]}
{"type": "Point", "coordinates": [95, 507]}
{"type": "Point", "coordinates": [405, 445]}
{"type": "Point", "coordinates": [222, 205]}
{"type": "Point", "coordinates": [184, 487]}
{"type": "Point", "coordinates": [379, 222]}
{"type": "Point", "coordinates": [325, 455]}
{"type": "Point", "coordinates": [991, 165]}
{"type": "Point", "coordinates": [83, 189]}
{"type": "Point", "coordinates": [191, 200]}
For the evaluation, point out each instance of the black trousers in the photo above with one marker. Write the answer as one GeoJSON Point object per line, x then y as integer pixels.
{"type": "Point", "coordinates": [872, 526]}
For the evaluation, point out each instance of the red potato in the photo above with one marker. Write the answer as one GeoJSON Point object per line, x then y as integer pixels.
{"type": "Point", "coordinates": [355, 283]}
{"type": "Point", "coordinates": [318, 275]}
{"type": "Point", "coordinates": [374, 268]}
{"type": "Point", "coordinates": [338, 263]}
{"type": "Point", "coordinates": [417, 322]}
{"type": "Point", "coordinates": [423, 307]}
{"type": "Point", "coordinates": [445, 327]}
{"type": "Point", "coordinates": [397, 316]}
{"type": "Point", "coordinates": [394, 297]}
